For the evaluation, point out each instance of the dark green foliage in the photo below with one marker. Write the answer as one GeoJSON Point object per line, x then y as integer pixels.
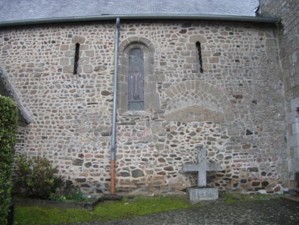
{"type": "Point", "coordinates": [8, 128]}
{"type": "Point", "coordinates": [35, 177]}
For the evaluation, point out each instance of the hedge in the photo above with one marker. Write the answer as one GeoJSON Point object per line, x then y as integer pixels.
{"type": "Point", "coordinates": [8, 128]}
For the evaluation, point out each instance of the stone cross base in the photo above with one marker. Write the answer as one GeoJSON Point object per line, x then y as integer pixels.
{"type": "Point", "coordinates": [197, 194]}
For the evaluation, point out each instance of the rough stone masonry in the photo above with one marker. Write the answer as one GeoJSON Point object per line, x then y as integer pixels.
{"type": "Point", "coordinates": [234, 107]}
{"type": "Point", "coordinates": [288, 11]}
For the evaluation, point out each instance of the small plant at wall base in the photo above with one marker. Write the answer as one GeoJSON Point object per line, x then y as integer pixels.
{"type": "Point", "coordinates": [8, 129]}
{"type": "Point", "coordinates": [35, 177]}
{"type": "Point", "coordinates": [69, 193]}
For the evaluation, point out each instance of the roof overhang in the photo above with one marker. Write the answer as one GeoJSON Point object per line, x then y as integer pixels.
{"type": "Point", "coordinates": [252, 19]}
{"type": "Point", "coordinates": [8, 89]}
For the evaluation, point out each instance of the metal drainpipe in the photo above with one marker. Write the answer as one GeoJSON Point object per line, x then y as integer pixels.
{"type": "Point", "coordinates": [113, 136]}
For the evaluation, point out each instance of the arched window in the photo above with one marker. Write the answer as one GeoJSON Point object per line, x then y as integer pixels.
{"type": "Point", "coordinates": [136, 80]}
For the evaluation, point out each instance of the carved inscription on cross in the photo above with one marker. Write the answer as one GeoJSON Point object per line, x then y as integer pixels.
{"type": "Point", "coordinates": [201, 167]}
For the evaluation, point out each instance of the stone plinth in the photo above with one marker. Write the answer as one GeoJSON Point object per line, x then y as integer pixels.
{"type": "Point", "coordinates": [197, 194]}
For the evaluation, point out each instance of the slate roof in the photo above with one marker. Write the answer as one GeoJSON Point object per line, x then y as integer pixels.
{"type": "Point", "coordinates": [16, 10]}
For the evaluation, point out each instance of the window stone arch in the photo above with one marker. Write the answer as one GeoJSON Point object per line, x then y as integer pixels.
{"type": "Point", "coordinates": [151, 98]}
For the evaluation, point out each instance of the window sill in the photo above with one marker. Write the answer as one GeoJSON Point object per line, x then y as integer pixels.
{"type": "Point", "coordinates": [136, 113]}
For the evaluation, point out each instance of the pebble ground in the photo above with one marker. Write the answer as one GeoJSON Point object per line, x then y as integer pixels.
{"type": "Point", "coordinates": [269, 212]}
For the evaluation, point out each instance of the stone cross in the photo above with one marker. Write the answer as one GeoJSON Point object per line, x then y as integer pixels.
{"type": "Point", "coordinates": [201, 167]}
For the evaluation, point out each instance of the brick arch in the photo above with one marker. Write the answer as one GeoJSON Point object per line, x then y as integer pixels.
{"type": "Point", "coordinates": [197, 37]}
{"type": "Point", "coordinates": [124, 46]}
{"type": "Point", "coordinates": [196, 101]}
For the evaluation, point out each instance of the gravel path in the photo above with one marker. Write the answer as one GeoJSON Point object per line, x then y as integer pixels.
{"type": "Point", "coordinates": [271, 212]}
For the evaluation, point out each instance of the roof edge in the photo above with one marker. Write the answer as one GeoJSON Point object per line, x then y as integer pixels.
{"type": "Point", "coordinates": [254, 19]}
{"type": "Point", "coordinates": [15, 95]}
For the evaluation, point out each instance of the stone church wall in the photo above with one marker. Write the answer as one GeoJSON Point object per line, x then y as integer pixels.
{"type": "Point", "coordinates": [288, 11]}
{"type": "Point", "coordinates": [234, 107]}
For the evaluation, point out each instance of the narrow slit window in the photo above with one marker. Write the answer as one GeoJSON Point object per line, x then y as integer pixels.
{"type": "Point", "coordinates": [76, 59]}
{"type": "Point", "coordinates": [198, 46]}
{"type": "Point", "coordinates": [136, 80]}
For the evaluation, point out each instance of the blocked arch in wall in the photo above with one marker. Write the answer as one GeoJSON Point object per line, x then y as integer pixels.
{"type": "Point", "coordinates": [198, 101]}
{"type": "Point", "coordinates": [151, 98]}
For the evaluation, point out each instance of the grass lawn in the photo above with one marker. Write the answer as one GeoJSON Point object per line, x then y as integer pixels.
{"type": "Point", "coordinates": [126, 208]}
{"type": "Point", "coordinates": [117, 210]}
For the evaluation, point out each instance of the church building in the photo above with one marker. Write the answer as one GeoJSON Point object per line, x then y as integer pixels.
{"type": "Point", "coordinates": [123, 93]}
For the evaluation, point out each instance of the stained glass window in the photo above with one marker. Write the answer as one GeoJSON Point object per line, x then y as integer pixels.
{"type": "Point", "coordinates": [136, 80]}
